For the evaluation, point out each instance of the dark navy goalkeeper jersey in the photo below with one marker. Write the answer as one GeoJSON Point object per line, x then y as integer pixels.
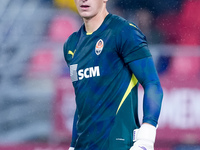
{"type": "Point", "coordinates": [105, 88]}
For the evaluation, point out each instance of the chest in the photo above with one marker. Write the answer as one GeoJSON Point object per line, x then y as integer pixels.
{"type": "Point", "coordinates": [94, 56]}
{"type": "Point", "coordinates": [94, 51]}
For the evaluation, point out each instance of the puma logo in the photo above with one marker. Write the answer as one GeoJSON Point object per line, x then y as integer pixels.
{"type": "Point", "coordinates": [71, 53]}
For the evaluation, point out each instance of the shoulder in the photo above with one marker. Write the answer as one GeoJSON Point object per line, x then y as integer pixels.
{"type": "Point", "coordinates": [124, 28]}
{"type": "Point", "coordinates": [120, 22]}
{"type": "Point", "coordinates": [67, 43]}
{"type": "Point", "coordinates": [70, 43]}
{"type": "Point", "coordinates": [71, 39]}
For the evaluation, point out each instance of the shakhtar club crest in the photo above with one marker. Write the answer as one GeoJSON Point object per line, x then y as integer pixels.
{"type": "Point", "coordinates": [99, 47]}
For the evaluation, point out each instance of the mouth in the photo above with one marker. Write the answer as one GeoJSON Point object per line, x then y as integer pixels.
{"type": "Point", "coordinates": [84, 6]}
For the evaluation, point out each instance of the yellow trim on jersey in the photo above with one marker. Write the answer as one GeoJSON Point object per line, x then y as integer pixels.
{"type": "Point", "coordinates": [89, 33]}
{"type": "Point", "coordinates": [133, 25]}
{"type": "Point", "coordinates": [132, 84]}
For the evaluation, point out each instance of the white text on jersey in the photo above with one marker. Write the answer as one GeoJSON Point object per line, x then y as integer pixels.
{"type": "Point", "coordinates": [83, 73]}
{"type": "Point", "coordinates": [89, 72]}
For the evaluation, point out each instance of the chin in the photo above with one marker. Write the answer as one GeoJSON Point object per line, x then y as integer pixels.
{"type": "Point", "coordinates": [86, 15]}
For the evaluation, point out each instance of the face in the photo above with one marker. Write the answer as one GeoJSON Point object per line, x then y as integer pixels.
{"type": "Point", "coordinates": [90, 8]}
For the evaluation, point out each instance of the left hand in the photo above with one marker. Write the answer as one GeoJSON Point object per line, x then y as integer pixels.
{"type": "Point", "coordinates": [144, 137]}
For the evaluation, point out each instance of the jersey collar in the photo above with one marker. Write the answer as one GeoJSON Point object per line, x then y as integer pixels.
{"type": "Point", "coordinates": [100, 29]}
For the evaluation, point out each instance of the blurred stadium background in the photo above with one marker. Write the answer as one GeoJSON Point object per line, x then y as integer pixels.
{"type": "Point", "coordinates": [36, 94]}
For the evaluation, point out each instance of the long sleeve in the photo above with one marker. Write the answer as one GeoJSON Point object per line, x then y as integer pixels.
{"type": "Point", "coordinates": [145, 71]}
{"type": "Point", "coordinates": [74, 131]}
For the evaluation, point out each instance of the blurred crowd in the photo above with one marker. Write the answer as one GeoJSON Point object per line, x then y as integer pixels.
{"type": "Point", "coordinates": [173, 22]}
{"type": "Point", "coordinates": [162, 21]}
{"type": "Point", "coordinates": [32, 34]}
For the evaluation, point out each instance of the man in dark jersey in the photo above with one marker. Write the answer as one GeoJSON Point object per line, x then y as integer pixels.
{"type": "Point", "coordinates": [108, 57]}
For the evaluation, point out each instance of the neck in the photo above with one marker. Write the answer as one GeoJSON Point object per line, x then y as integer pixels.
{"type": "Point", "coordinates": [93, 23]}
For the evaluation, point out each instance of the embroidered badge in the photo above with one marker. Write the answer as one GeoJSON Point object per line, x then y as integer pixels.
{"type": "Point", "coordinates": [99, 47]}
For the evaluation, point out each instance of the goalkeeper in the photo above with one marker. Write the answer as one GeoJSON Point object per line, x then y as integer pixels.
{"type": "Point", "coordinates": [108, 57]}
